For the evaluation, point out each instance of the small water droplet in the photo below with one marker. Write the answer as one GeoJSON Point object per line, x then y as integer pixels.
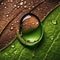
{"type": "Point", "coordinates": [38, 9]}
{"type": "Point", "coordinates": [12, 24]}
{"type": "Point", "coordinates": [54, 22]}
{"type": "Point", "coordinates": [33, 55]}
{"type": "Point", "coordinates": [5, 7]}
{"type": "Point", "coordinates": [24, 2]}
{"type": "Point", "coordinates": [17, 30]}
{"type": "Point", "coordinates": [21, 3]}
{"type": "Point", "coordinates": [32, 6]}
{"type": "Point", "coordinates": [11, 28]}
{"type": "Point", "coordinates": [51, 37]}
{"type": "Point", "coordinates": [8, 12]}
{"type": "Point", "coordinates": [14, 5]}
{"type": "Point", "coordinates": [18, 6]}
{"type": "Point", "coordinates": [2, 3]}
{"type": "Point", "coordinates": [7, 15]}
{"type": "Point", "coordinates": [29, 8]}
{"type": "Point", "coordinates": [17, 21]}
{"type": "Point", "coordinates": [12, 46]}
{"type": "Point", "coordinates": [25, 6]}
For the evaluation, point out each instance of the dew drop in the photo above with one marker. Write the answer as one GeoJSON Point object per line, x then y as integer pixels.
{"type": "Point", "coordinates": [29, 8]}
{"type": "Point", "coordinates": [5, 7]}
{"type": "Point", "coordinates": [2, 3]}
{"type": "Point", "coordinates": [30, 30]}
{"type": "Point", "coordinates": [38, 9]}
{"type": "Point", "coordinates": [21, 3]}
{"type": "Point", "coordinates": [54, 22]}
{"type": "Point", "coordinates": [17, 21]}
{"type": "Point", "coordinates": [24, 2]}
{"type": "Point", "coordinates": [18, 6]}
{"type": "Point", "coordinates": [7, 15]}
{"type": "Point", "coordinates": [51, 37]}
{"type": "Point", "coordinates": [11, 28]}
{"type": "Point", "coordinates": [25, 6]}
{"type": "Point", "coordinates": [14, 5]}
{"type": "Point", "coordinates": [32, 6]}
{"type": "Point", "coordinates": [12, 46]}
{"type": "Point", "coordinates": [10, 0]}
{"type": "Point", "coordinates": [33, 55]}
{"type": "Point", "coordinates": [12, 24]}
{"type": "Point", "coordinates": [8, 12]}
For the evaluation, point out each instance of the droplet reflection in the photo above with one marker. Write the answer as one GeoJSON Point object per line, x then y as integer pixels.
{"type": "Point", "coordinates": [30, 30]}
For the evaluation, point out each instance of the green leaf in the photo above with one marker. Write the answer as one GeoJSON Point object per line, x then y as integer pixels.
{"type": "Point", "coordinates": [47, 49]}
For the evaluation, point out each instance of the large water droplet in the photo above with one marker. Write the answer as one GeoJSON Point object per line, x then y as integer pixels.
{"type": "Point", "coordinates": [31, 30]}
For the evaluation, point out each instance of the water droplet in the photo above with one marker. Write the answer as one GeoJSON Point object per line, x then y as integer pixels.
{"type": "Point", "coordinates": [10, 0]}
{"type": "Point", "coordinates": [33, 55]}
{"type": "Point", "coordinates": [8, 12]}
{"type": "Point", "coordinates": [18, 6]}
{"type": "Point", "coordinates": [24, 2]}
{"type": "Point", "coordinates": [2, 3]}
{"type": "Point", "coordinates": [14, 5]}
{"type": "Point", "coordinates": [25, 6]}
{"type": "Point", "coordinates": [21, 3]}
{"type": "Point", "coordinates": [12, 46]}
{"type": "Point", "coordinates": [17, 21]}
{"type": "Point", "coordinates": [7, 15]}
{"type": "Point", "coordinates": [54, 22]}
{"type": "Point", "coordinates": [32, 6]}
{"type": "Point", "coordinates": [11, 28]}
{"type": "Point", "coordinates": [30, 30]}
{"type": "Point", "coordinates": [12, 24]}
{"type": "Point", "coordinates": [5, 7]}
{"type": "Point", "coordinates": [15, 52]}
{"type": "Point", "coordinates": [29, 8]}
{"type": "Point", "coordinates": [51, 37]}
{"type": "Point", "coordinates": [38, 9]}
{"type": "Point", "coordinates": [17, 30]}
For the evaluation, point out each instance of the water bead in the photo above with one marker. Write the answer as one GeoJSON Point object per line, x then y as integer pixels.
{"type": "Point", "coordinates": [31, 30]}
